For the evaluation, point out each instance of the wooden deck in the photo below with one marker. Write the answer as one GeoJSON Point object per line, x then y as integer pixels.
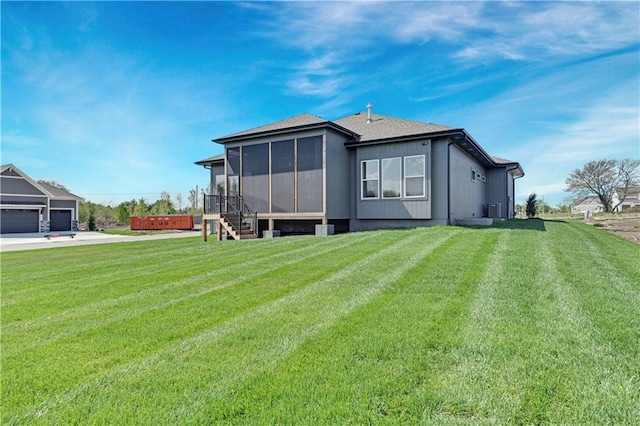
{"type": "Point", "coordinates": [271, 217]}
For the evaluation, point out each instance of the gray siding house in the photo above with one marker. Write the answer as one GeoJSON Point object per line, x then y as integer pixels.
{"type": "Point", "coordinates": [29, 206]}
{"type": "Point", "coordinates": [364, 171]}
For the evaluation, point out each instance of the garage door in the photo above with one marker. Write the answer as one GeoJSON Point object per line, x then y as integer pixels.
{"type": "Point", "coordinates": [15, 221]}
{"type": "Point", "coordinates": [60, 220]}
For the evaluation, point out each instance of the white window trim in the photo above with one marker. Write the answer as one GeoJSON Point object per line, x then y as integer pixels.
{"type": "Point", "coordinates": [382, 178]}
{"type": "Point", "coordinates": [473, 175]}
{"type": "Point", "coordinates": [364, 179]}
{"type": "Point", "coordinates": [423, 176]}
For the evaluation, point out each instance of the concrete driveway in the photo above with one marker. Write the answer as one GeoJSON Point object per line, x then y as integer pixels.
{"type": "Point", "coordinates": [13, 242]}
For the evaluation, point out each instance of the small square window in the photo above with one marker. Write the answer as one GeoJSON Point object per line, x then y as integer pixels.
{"type": "Point", "coordinates": [484, 179]}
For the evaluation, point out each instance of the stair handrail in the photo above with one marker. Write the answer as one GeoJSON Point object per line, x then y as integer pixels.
{"type": "Point", "coordinates": [232, 214]}
{"type": "Point", "coordinates": [230, 207]}
{"type": "Point", "coordinates": [250, 216]}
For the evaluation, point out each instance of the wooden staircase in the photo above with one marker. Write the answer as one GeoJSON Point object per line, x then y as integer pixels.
{"type": "Point", "coordinates": [233, 215]}
{"type": "Point", "coordinates": [229, 222]}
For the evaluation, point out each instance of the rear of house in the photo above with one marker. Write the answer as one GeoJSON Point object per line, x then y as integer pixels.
{"type": "Point", "coordinates": [306, 174]}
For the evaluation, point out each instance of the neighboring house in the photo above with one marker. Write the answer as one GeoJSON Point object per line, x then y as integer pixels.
{"type": "Point", "coordinates": [631, 201]}
{"type": "Point", "coordinates": [29, 206]}
{"type": "Point", "coordinates": [593, 204]}
{"type": "Point", "coordinates": [363, 171]}
{"type": "Point", "coordinates": [590, 204]}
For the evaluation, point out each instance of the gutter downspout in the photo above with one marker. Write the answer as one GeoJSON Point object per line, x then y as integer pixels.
{"type": "Point", "coordinates": [450, 142]}
{"type": "Point", "coordinates": [513, 193]}
{"type": "Point", "coordinates": [511, 205]}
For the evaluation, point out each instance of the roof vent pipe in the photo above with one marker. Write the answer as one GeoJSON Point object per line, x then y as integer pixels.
{"type": "Point", "coordinates": [369, 106]}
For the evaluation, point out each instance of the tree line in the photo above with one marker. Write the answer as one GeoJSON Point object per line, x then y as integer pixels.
{"type": "Point", "coordinates": [98, 216]}
{"type": "Point", "coordinates": [602, 179]}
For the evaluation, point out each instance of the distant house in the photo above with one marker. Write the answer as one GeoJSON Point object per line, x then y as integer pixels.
{"type": "Point", "coordinates": [590, 204]}
{"type": "Point", "coordinates": [364, 171]}
{"type": "Point", "coordinates": [593, 204]}
{"type": "Point", "coordinates": [631, 201]}
{"type": "Point", "coordinates": [29, 206]}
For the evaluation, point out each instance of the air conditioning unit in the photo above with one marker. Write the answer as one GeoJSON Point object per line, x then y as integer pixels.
{"type": "Point", "coordinates": [494, 210]}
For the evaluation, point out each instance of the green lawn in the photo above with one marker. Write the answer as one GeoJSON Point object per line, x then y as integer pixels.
{"type": "Point", "coordinates": [527, 322]}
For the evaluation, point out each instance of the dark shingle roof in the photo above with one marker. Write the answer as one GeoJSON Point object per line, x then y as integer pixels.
{"type": "Point", "coordinates": [297, 121]}
{"type": "Point", "coordinates": [381, 129]}
{"type": "Point", "coordinates": [499, 160]}
{"type": "Point", "coordinates": [211, 160]}
{"type": "Point", "coordinates": [385, 127]}
{"type": "Point", "coordinates": [515, 168]}
{"type": "Point", "coordinates": [57, 193]}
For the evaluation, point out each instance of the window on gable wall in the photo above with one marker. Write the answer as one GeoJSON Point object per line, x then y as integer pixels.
{"type": "Point", "coordinates": [370, 179]}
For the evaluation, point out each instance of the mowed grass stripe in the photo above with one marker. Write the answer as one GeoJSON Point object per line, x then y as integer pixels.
{"type": "Point", "coordinates": [609, 256]}
{"type": "Point", "coordinates": [530, 355]}
{"type": "Point", "coordinates": [121, 283]}
{"type": "Point", "coordinates": [461, 391]}
{"type": "Point", "coordinates": [174, 255]}
{"type": "Point", "coordinates": [514, 324]}
{"type": "Point", "coordinates": [37, 279]}
{"type": "Point", "coordinates": [622, 254]}
{"type": "Point", "coordinates": [70, 323]}
{"type": "Point", "coordinates": [611, 295]}
{"type": "Point", "coordinates": [371, 366]}
{"type": "Point", "coordinates": [110, 341]}
{"type": "Point", "coordinates": [83, 286]}
{"type": "Point", "coordinates": [340, 295]}
{"type": "Point", "coordinates": [249, 336]}
{"type": "Point", "coordinates": [577, 364]}
{"type": "Point", "coordinates": [75, 261]}
{"type": "Point", "coordinates": [109, 349]}
{"type": "Point", "coordinates": [610, 303]}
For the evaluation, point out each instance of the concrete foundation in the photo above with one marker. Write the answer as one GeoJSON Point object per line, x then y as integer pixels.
{"type": "Point", "coordinates": [480, 221]}
{"type": "Point", "coordinates": [270, 233]}
{"type": "Point", "coordinates": [324, 230]}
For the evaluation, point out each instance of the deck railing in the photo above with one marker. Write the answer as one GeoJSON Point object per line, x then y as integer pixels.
{"type": "Point", "coordinates": [233, 208]}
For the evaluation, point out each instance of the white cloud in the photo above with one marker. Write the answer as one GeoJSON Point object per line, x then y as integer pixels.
{"type": "Point", "coordinates": [336, 38]}
{"type": "Point", "coordinates": [539, 31]}
{"type": "Point", "coordinates": [420, 22]}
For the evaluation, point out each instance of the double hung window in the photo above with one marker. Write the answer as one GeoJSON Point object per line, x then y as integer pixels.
{"type": "Point", "coordinates": [370, 179]}
{"type": "Point", "coordinates": [398, 177]}
{"type": "Point", "coordinates": [414, 182]}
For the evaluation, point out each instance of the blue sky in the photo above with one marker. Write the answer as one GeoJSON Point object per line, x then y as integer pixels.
{"type": "Point", "coordinates": [117, 100]}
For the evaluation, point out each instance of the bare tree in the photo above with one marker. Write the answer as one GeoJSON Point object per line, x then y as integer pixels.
{"type": "Point", "coordinates": [604, 179]}
{"type": "Point", "coordinates": [193, 199]}
{"type": "Point", "coordinates": [179, 201]}
{"type": "Point", "coordinates": [629, 172]}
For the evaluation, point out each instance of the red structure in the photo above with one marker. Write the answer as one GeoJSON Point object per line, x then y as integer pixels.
{"type": "Point", "coordinates": [152, 223]}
